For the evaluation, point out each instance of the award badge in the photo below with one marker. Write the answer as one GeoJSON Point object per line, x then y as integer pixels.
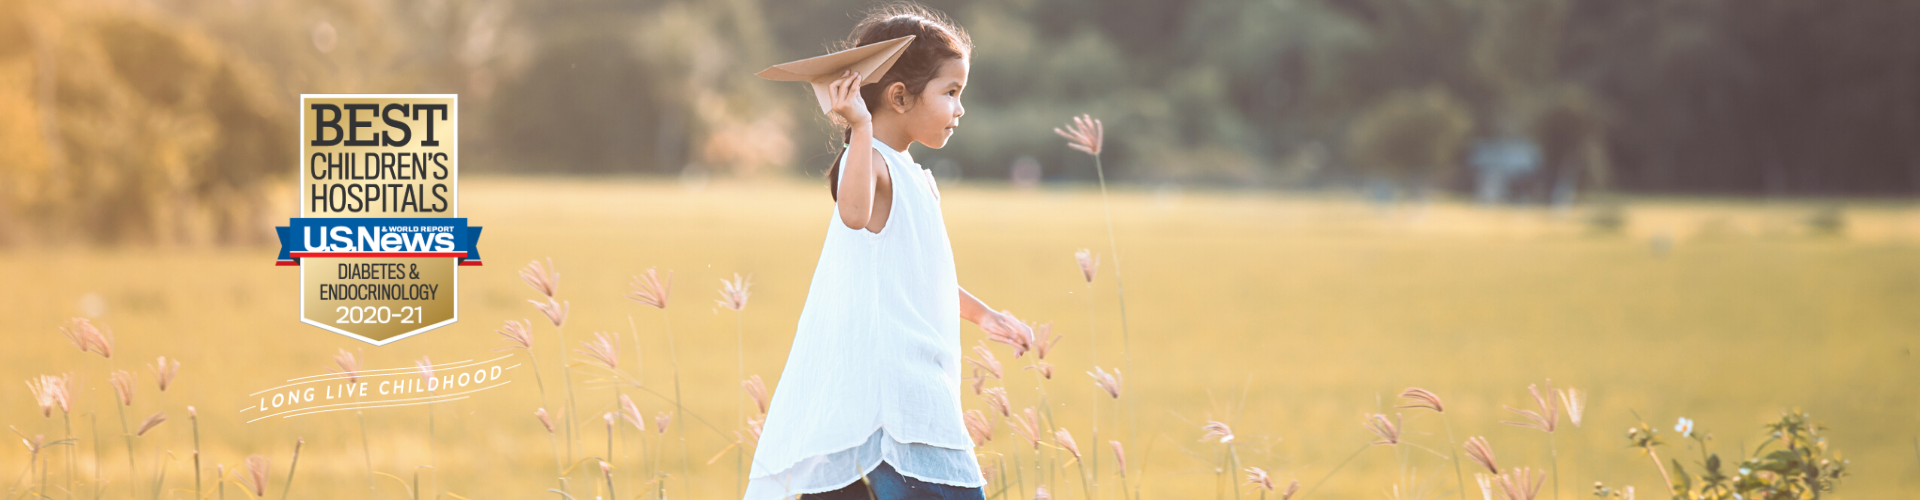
{"type": "Point", "coordinates": [379, 239]}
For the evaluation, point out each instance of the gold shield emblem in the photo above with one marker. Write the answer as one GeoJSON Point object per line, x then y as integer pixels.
{"type": "Point", "coordinates": [379, 240]}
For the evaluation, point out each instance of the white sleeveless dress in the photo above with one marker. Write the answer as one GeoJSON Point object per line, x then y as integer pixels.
{"type": "Point", "coordinates": [875, 369]}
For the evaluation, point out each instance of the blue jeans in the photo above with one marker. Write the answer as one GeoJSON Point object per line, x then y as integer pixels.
{"type": "Point", "coordinates": [888, 484]}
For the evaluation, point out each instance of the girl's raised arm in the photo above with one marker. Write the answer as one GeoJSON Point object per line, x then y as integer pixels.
{"type": "Point", "coordinates": [856, 174]}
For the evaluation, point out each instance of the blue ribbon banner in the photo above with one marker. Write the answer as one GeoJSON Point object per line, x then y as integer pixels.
{"type": "Point", "coordinates": [378, 237]}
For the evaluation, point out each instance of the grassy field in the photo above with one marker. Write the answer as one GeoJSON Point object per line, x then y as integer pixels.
{"type": "Point", "coordinates": [1285, 316]}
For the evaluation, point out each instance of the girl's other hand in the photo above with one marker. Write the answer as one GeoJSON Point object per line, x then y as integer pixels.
{"type": "Point", "coordinates": [847, 103]}
{"type": "Point", "coordinates": [1002, 324]}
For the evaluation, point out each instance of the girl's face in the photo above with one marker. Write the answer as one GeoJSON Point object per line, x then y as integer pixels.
{"type": "Point", "coordinates": [931, 117]}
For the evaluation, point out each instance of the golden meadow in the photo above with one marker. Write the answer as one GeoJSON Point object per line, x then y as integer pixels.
{"type": "Point", "coordinates": [1287, 318]}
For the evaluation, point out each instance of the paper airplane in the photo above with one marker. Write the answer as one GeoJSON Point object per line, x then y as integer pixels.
{"type": "Point", "coordinates": [871, 60]}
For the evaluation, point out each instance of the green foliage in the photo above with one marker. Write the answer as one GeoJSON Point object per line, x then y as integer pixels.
{"type": "Point", "coordinates": [129, 128]}
{"type": "Point", "coordinates": [1570, 123]}
{"type": "Point", "coordinates": [114, 102]}
{"type": "Point", "coordinates": [1793, 462]}
{"type": "Point", "coordinates": [1411, 136]}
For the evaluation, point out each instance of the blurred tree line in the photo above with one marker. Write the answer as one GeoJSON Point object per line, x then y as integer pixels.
{"type": "Point", "coordinates": [171, 120]}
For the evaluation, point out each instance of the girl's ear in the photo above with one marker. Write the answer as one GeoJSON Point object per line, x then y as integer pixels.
{"type": "Point", "coordinates": [897, 98]}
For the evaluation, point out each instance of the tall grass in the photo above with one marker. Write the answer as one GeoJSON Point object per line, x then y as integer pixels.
{"type": "Point", "coordinates": [286, 488]}
{"type": "Point", "coordinates": [425, 366]}
{"type": "Point", "coordinates": [51, 392]}
{"type": "Point", "coordinates": [1422, 398]}
{"type": "Point", "coordinates": [1060, 448]}
{"type": "Point", "coordinates": [650, 290]}
{"type": "Point", "coordinates": [1545, 419]}
{"type": "Point", "coordinates": [546, 281]}
{"type": "Point", "coordinates": [519, 335]}
{"type": "Point", "coordinates": [733, 296]}
{"type": "Point", "coordinates": [1015, 472]}
{"type": "Point", "coordinates": [348, 366]}
{"type": "Point", "coordinates": [1088, 135]}
{"type": "Point", "coordinates": [193, 417]}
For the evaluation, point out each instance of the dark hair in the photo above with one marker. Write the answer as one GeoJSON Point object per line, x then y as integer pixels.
{"type": "Point", "coordinates": [936, 40]}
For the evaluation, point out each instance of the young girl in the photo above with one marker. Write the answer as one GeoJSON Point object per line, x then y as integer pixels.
{"type": "Point", "coordinates": [869, 403]}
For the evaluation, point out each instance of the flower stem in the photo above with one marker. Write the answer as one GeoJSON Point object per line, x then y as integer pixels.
{"type": "Point", "coordinates": [659, 482]}
{"type": "Point", "coordinates": [1002, 461]}
{"type": "Point", "coordinates": [559, 467]}
{"type": "Point", "coordinates": [1046, 408]}
{"type": "Point", "coordinates": [26, 474]}
{"type": "Point", "coordinates": [566, 377]}
{"type": "Point", "coordinates": [431, 451]}
{"type": "Point", "coordinates": [1460, 478]}
{"type": "Point", "coordinates": [66, 420]}
{"type": "Point", "coordinates": [610, 431]}
{"type": "Point", "coordinates": [286, 489]}
{"type": "Point", "coordinates": [739, 407]}
{"type": "Point", "coordinates": [1233, 467]}
{"type": "Point", "coordinates": [1120, 288]}
{"type": "Point", "coordinates": [613, 428]}
{"type": "Point", "coordinates": [195, 421]}
{"type": "Point", "coordinates": [1666, 479]}
{"type": "Point", "coordinates": [639, 361]}
{"type": "Point", "coordinates": [1093, 352]}
{"type": "Point", "coordinates": [1219, 481]}
{"type": "Point", "coordinates": [1553, 456]}
{"type": "Point", "coordinates": [639, 380]}
{"type": "Point", "coordinates": [679, 409]}
{"type": "Point", "coordinates": [1336, 468]}
{"type": "Point", "coordinates": [1019, 479]}
{"type": "Point", "coordinates": [610, 486]}
{"type": "Point", "coordinates": [366, 451]}
{"type": "Point", "coordinates": [128, 433]}
{"type": "Point", "coordinates": [93, 423]}
{"type": "Point", "coordinates": [1080, 468]}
